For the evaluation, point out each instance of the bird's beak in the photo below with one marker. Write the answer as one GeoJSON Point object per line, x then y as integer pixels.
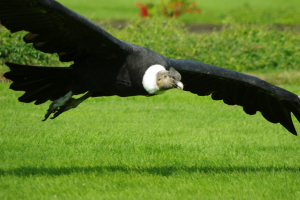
{"type": "Point", "coordinates": [178, 84]}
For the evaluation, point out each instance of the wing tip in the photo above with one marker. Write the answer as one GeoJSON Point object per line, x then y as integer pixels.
{"type": "Point", "coordinates": [295, 133]}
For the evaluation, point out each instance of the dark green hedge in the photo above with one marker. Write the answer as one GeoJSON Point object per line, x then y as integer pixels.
{"type": "Point", "coordinates": [237, 47]}
{"type": "Point", "coordinates": [13, 49]}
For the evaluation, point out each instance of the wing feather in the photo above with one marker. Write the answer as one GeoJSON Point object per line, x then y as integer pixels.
{"type": "Point", "coordinates": [58, 29]}
{"type": "Point", "coordinates": [276, 104]}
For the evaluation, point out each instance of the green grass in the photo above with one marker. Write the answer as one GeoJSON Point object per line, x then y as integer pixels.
{"type": "Point", "coordinates": [172, 146]}
{"type": "Point", "coordinates": [214, 11]}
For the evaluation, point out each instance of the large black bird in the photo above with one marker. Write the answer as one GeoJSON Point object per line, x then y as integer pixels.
{"type": "Point", "coordinates": [105, 66]}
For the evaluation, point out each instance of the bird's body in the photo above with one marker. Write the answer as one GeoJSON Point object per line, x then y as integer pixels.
{"type": "Point", "coordinates": [105, 66]}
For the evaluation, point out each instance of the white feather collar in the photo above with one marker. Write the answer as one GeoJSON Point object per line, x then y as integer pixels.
{"type": "Point", "coordinates": [149, 78]}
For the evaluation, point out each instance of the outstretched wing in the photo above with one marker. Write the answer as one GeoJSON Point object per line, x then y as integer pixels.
{"type": "Point", "coordinates": [234, 88]}
{"type": "Point", "coordinates": [53, 28]}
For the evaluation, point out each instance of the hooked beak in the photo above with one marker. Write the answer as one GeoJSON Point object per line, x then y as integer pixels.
{"type": "Point", "coordinates": [178, 84]}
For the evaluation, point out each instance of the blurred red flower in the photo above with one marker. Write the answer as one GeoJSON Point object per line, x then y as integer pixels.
{"type": "Point", "coordinates": [171, 8]}
{"type": "Point", "coordinates": [143, 9]}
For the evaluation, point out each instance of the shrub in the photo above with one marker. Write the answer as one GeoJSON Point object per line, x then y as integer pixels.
{"type": "Point", "coordinates": [237, 47]}
{"type": "Point", "coordinates": [14, 49]}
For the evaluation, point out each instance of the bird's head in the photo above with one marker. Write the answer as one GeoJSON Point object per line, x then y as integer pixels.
{"type": "Point", "coordinates": [168, 80]}
{"type": "Point", "coordinates": [157, 79]}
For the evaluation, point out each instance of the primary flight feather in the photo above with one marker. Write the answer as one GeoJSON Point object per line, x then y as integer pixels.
{"type": "Point", "coordinates": [105, 66]}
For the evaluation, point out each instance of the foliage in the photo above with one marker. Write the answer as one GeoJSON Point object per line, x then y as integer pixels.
{"type": "Point", "coordinates": [167, 8]}
{"type": "Point", "coordinates": [237, 47]}
{"type": "Point", "coordinates": [14, 49]}
{"type": "Point", "coordinates": [171, 146]}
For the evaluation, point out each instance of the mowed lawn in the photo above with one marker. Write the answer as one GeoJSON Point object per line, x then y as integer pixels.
{"type": "Point", "coordinates": [172, 146]}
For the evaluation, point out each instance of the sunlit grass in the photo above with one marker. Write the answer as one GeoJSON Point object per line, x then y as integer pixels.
{"type": "Point", "coordinates": [171, 146]}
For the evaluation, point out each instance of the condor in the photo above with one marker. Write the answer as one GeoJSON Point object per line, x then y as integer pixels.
{"type": "Point", "coordinates": [105, 66]}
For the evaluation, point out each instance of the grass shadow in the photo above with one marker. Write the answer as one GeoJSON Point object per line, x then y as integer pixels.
{"type": "Point", "coordinates": [162, 171]}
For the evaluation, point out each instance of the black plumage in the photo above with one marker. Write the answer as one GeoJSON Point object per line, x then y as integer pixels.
{"type": "Point", "coordinates": [104, 66]}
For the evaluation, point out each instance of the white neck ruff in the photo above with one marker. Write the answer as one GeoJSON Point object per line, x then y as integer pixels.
{"type": "Point", "coordinates": [149, 78]}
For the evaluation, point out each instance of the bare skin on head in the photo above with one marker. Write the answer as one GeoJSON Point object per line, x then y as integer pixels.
{"type": "Point", "coordinates": [169, 79]}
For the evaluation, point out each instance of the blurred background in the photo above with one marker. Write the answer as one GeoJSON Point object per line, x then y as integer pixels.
{"type": "Point", "coordinates": [211, 12]}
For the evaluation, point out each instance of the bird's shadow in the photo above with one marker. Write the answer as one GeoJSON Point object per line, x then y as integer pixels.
{"type": "Point", "coordinates": [161, 171]}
